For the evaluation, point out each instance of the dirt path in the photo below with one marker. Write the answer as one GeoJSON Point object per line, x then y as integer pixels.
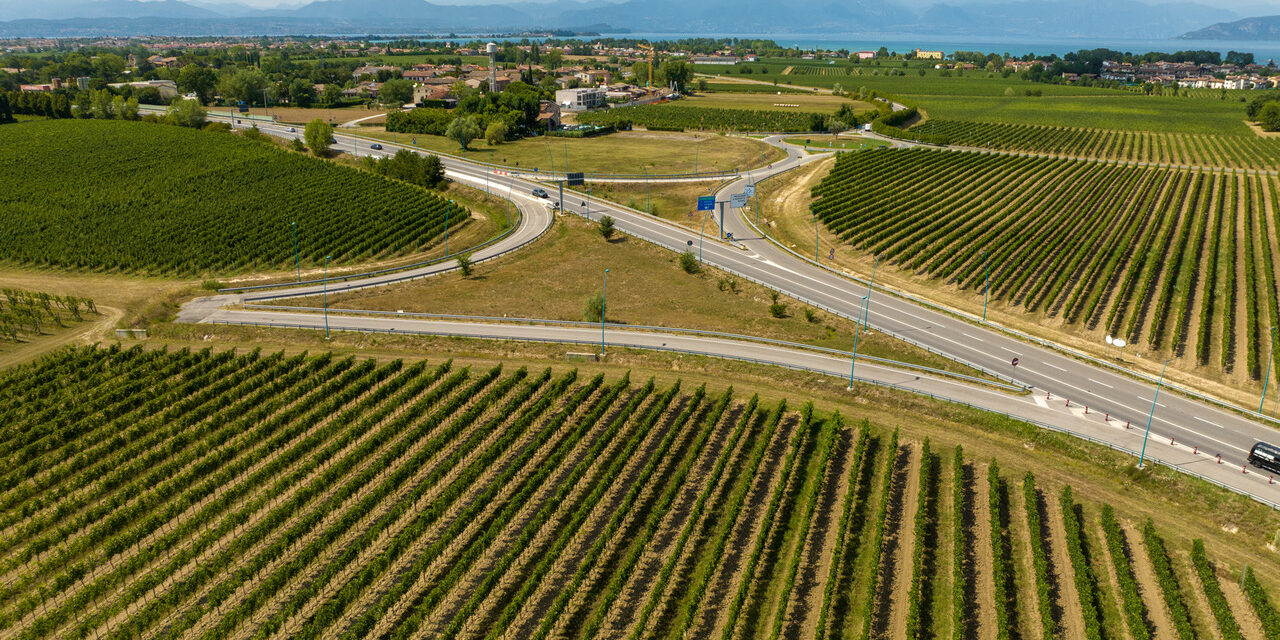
{"type": "Point", "coordinates": [1071, 619]}
{"type": "Point", "coordinates": [983, 565]}
{"type": "Point", "coordinates": [1148, 585]}
{"type": "Point", "coordinates": [1250, 627]}
{"type": "Point", "coordinates": [816, 562]}
{"type": "Point", "coordinates": [97, 329]}
{"type": "Point", "coordinates": [901, 574]}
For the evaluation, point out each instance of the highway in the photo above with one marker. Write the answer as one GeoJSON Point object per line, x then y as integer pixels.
{"type": "Point", "coordinates": [1052, 376]}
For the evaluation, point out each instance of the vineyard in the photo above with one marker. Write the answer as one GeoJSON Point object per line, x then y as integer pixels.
{"type": "Point", "coordinates": [1196, 150]}
{"type": "Point", "coordinates": [131, 196]}
{"type": "Point", "coordinates": [28, 314]}
{"type": "Point", "coordinates": [180, 494]}
{"type": "Point", "coordinates": [1176, 262]}
{"type": "Point", "coordinates": [669, 117]}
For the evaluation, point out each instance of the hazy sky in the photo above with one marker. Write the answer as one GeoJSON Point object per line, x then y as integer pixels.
{"type": "Point", "coordinates": [1243, 7]}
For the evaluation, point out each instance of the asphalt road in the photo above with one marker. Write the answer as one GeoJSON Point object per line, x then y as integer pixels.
{"type": "Point", "coordinates": [1051, 375]}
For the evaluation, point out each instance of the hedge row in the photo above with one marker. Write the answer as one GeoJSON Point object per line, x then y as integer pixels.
{"type": "Point", "coordinates": [1039, 555]}
{"type": "Point", "coordinates": [1086, 584]}
{"type": "Point", "coordinates": [1135, 612]}
{"type": "Point", "coordinates": [1213, 593]}
{"type": "Point", "coordinates": [1168, 582]}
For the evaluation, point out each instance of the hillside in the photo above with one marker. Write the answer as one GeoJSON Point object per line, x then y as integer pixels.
{"type": "Point", "coordinates": [1259, 28]}
{"type": "Point", "coordinates": [141, 197]}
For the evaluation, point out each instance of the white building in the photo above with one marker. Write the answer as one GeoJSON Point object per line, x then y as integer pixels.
{"type": "Point", "coordinates": [167, 88]}
{"type": "Point", "coordinates": [584, 98]}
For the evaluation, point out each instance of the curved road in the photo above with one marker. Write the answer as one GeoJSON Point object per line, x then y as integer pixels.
{"type": "Point", "coordinates": [1053, 376]}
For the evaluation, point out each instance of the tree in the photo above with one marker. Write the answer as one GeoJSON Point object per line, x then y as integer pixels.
{"type": "Point", "coordinates": [245, 85]}
{"type": "Point", "coordinates": [689, 262]}
{"type": "Point", "coordinates": [552, 59]}
{"type": "Point", "coordinates": [199, 80]}
{"type": "Point", "coordinates": [186, 113]}
{"type": "Point", "coordinates": [463, 130]}
{"type": "Point", "coordinates": [465, 265]}
{"type": "Point", "coordinates": [297, 145]}
{"type": "Point", "coordinates": [318, 133]}
{"type": "Point", "coordinates": [301, 93]}
{"type": "Point", "coordinates": [606, 227]}
{"type": "Point", "coordinates": [593, 310]}
{"type": "Point", "coordinates": [677, 73]}
{"type": "Point", "coordinates": [496, 132]}
{"type": "Point", "coordinates": [1269, 117]}
{"type": "Point", "coordinates": [640, 72]}
{"type": "Point", "coordinates": [102, 108]}
{"type": "Point", "coordinates": [117, 107]}
{"type": "Point", "coordinates": [129, 110]}
{"type": "Point", "coordinates": [332, 94]}
{"type": "Point", "coordinates": [396, 91]}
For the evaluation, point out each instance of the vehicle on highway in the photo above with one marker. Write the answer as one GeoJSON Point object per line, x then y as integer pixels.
{"type": "Point", "coordinates": [540, 192]}
{"type": "Point", "coordinates": [555, 206]}
{"type": "Point", "coordinates": [291, 130]}
{"type": "Point", "coordinates": [376, 146]}
{"type": "Point", "coordinates": [1265, 456]}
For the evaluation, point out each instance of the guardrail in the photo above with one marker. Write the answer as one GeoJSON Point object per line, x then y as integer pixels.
{"type": "Point", "coordinates": [632, 327]}
{"type": "Point", "coordinates": [1042, 425]}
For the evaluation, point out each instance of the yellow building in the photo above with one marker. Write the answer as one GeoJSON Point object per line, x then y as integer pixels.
{"type": "Point", "coordinates": [928, 55]}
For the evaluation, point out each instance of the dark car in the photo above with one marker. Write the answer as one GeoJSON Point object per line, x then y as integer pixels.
{"type": "Point", "coordinates": [1265, 456]}
{"type": "Point", "coordinates": [540, 192]}
{"type": "Point", "coordinates": [376, 146]}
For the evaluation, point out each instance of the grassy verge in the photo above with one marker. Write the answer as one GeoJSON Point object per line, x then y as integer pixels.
{"type": "Point", "coordinates": [623, 152]}
{"type": "Point", "coordinates": [839, 143]}
{"type": "Point", "coordinates": [555, 277]}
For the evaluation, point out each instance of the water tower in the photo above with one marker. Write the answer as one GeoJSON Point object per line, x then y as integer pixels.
{"type": "Point", "coordinates": [492, 50]}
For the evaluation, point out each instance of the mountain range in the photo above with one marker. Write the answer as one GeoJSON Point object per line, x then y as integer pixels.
{"type": "Point", "coordinates": [1034, 18]}
{"type": "Point", "coordinates": [1260, 28]}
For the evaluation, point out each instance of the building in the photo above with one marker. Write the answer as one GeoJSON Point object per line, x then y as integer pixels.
{"type": "Point", "coordinates": [418, 75]}
{"type": "Point", "coordinates": [593, 76]}
{"type": "Point", "coordinates": [82, 83]}
{"type": "Point", "coordinates": [865, 55]}
{"type": "Point", "coordinates": [577, 99]}
{"type": "Point", "coordinates": [928, 55]}
{"type": "Point", "coordinates": [36, 87]}
{"type": "Point", "coordinates": [372, 70]}
{"type": "Point", "coordinates": [168, 89]}
{"type": "Point", "coordinates": [548, 115]}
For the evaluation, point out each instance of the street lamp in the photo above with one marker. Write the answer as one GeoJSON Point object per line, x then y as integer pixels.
{"type": "Point", "coordinates": [325, 285]}
{"type": "Point", "coordinates": [297, 267]}
{"type": "Point", "coordinates": [867, 309]}
{"type": "Point", "coordinates": [604, 299]}
{"type": "Point", "coordinates": [854, 360]}
{"type": "Point", "coordinates": [1270, 359]}
{"type": "Point", "coordinates": [1142, 456]}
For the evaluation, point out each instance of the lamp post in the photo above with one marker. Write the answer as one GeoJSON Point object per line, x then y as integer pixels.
{"type": "Point", "coordinates": [1143, 455]}
{"type": "Point", "coordinates": [867, 308]}
{"type": "Point", "coordinates": [1270, 359]}
{"type": "Point", "coordinates": [296, 265]}
{"type": "Point", "coordinates": [325, 284]}
{"type": "Point", "coordinates": [986, 288]}
{"type": "Point", "coordinates": [854, 360]}
{"type": "Point", "coordinates": [447, 213]}
{"type": "Point", "coordinates": [604, 303]}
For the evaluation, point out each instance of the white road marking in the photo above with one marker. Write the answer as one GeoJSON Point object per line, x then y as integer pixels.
{"type": "Point", "coordinates": [1157, 403]}
{"type": "Point", "coordinates": [971, 336]}
{"type": "Point", "coordinates": [1009, 350]}
{"type": "Point", "coordinates": [1101, 383]}
{"type": "Point", "coordinates": [1207, 422]}
{"type": "Point", "coordinates": [1049, 364]}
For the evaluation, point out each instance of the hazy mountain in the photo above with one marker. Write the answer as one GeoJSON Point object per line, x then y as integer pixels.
{"type": "Point", "coordinates": [1034, 18]}
{"type": "Point", "coordinates": [1261, 28]}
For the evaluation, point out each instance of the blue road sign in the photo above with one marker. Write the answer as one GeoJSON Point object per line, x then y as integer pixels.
{"type": "Point", "coordinates": [707, 203]}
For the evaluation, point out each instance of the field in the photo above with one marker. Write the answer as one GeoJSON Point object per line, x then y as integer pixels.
{"type": "Point", "coordinates": [820, 103]}
{"type": "Point", "coordinates": [146, 198]}
{"type": "Point", "coordinates": [303, 116]}
{"type": "Point", "coordinates": [220, 494]}
{"type": "Point", "coordinates": [838, 143]}
{"type": "Point", "coordinates": [1196, 150]}
{"type": "Point", "coordinates": [744, 87]}
{"type": "Point", "coordinates": [679, 117]}
{"type": "Point", "coordinates": [1180, 264]}
{"type": "Point", "coordinates": [623, 152]}
{"type": "Point", "coordinates": [980, 96]}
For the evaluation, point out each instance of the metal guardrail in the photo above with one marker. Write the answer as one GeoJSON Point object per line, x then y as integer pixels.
{"type": "Point", "coordinates": [795, 367]}
{"type": "Point", "coordinates": [631, 327]}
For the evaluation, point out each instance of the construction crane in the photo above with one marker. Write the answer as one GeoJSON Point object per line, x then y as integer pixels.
{"type": "Point", "coordinates": [652, 60]}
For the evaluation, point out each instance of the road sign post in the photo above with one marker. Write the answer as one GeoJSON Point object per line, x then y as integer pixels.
{"type": "Point", "coordinates": [706, 203]}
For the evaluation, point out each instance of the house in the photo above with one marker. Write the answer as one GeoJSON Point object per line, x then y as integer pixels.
{"type": "Point", "coordinates": [865, 55]}
{"type": "Point", "coordinates": [161, 61]}
{"type": "Point", "coordinates": [716, 59]}
{"type": "Point", "coordinates": [593, 76]}
{"type": "Point", "coordinates": [576, 99]}
{"type": "Point", "coordinates": [168, 89]}
{"type": "Point", "coordinates": [749, 58]}
{"type": "Point", "coordinates": [418, 75]}
{"type": "Point", "coordinates": [921, 54]}
{"type": "Point", "coordinates": [548, 114]}
{"type": "Point", "coordinates": [424, 92]}
{"type": "Point", "coordinates": [1019, 66]}
{"type": "Point", "coordinates": [372, 70]}
{"type": "Point", "coordinates": [36, 87]}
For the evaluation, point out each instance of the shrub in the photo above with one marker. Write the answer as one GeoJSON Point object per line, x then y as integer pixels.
{"type": "Point", "coordinates": [689, 263]}
{"type": "Point", "coordinates": [465, 266]}
{"type": "Point", "coordinates": [297, 145]}
{"type": "Point", "coordinates": [778, 310]}
{"type": "Point", "coordinates": [1213, 593]}
{"type": "Point", "coordinates": [593, 310]}
{"type": "Point", "coordinates": [606, 227]}
{"type": "Point", "coordinates": [809, 315]}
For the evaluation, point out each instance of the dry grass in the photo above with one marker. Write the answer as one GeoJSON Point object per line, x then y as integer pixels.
{"type": "Point", "coordinates": [623, 152]}
{"type": "Point", "coordinates": [301, 116]}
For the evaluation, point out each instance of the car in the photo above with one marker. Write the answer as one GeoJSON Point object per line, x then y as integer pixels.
{"type": "Point", "coordinates": [376, 146]}
{"type": "Point", "coordinates": [540, 192]}
{"type": "Point", "coordinates": [292, 130]}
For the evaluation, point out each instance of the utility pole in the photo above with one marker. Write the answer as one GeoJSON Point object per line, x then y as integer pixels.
{"type": "Point", "coordinates": [1143, 455]}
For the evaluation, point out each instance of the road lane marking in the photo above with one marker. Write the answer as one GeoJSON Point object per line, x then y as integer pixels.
{"type": "Point", "coordinates": [1101, 383]}
{"type": "Point", "coordinates": [971, 336]}
{"type": "Point", "coordinates": [1207, 422]}
{"type": "Point", "coordinates": [1009, 350]}
{"type": "Point", "coordinates": [1049, 364]}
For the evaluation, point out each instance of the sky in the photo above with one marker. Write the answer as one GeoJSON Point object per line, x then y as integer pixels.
{"type": "Point", "coordinates": [1243, 7]}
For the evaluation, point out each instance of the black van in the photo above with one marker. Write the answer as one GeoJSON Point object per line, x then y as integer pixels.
{"type": "Point", "coordinates": [1265, 456]}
